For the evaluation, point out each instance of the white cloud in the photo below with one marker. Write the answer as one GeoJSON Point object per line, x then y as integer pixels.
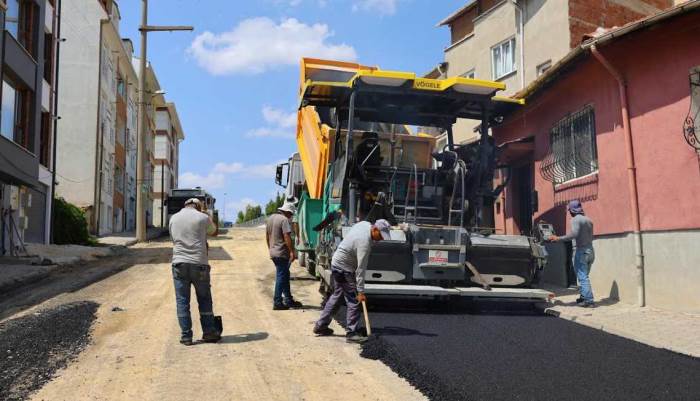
{"type": "Point", "coordinates": [210, 181]}
{"type": "Point", "coordinates": [260, 44]}
{"type": "Point", "coordinates": [282, 124]}
{"type": "Point", "coordinates": [232, 208]}
{"type": "Point", "coordinates": [231, 168]}
{"type": "Point", "coordinates": [216, 178]}
{"type": "Point", "coordinates": [383, 7]}
{"type": "Point", "coordinates": [279, 117]}
{"type": "Point", "coordinates": [245, 171]}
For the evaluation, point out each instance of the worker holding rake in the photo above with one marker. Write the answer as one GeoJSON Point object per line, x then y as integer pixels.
{"type": "Point", "coordinates": [348, 267]}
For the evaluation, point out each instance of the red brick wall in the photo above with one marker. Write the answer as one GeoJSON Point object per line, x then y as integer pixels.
{"type": "Point", "coordinates": [585, 16]}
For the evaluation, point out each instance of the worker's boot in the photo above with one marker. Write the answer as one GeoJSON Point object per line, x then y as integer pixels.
{"type": "Point", "coordinates": [186, 341]}
{"type": "Point", "coordinates": [323, 331]}
{"type": "Point", "coordinates": [280, 307]}
{"type": "Point", "coordinates": [356, 338]}
{"type": "Point", "coordinates": [294, 304]}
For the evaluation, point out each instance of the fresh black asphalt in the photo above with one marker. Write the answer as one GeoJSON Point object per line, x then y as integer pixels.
{"type": "Point", "coordinates": [505, 352]}
{"type": "Point", "coordinates": [34, 347]}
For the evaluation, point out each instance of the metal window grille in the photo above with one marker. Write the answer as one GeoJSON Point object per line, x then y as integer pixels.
{"type": "Point", "coordinates": [573, 152]}
{"type": "Point", "coordinates": [691, 125]}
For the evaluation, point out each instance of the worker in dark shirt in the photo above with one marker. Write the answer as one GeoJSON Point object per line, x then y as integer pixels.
{"type": "Point", "coordinates": [582, 236]}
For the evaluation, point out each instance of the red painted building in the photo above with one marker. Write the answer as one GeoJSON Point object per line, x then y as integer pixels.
{"type": "Point", "coordinates": [607, 118]}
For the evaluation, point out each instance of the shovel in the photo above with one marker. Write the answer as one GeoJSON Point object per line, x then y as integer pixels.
{"type": "Point", "coordinates": [364, 309]}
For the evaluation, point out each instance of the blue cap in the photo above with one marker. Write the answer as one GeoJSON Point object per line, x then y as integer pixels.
{"type": "Point", "coordinates": [575, 207]}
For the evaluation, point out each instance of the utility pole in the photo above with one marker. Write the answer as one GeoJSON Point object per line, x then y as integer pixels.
{"type": "Point", "coordinates": [140, 159]}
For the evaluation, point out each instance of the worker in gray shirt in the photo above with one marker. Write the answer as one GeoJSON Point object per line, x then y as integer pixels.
{"type": "Point", "coordinates": [348, 267]}
{"type": "Point", "coordinates": [189, 229]}
{"type": "Point", "coordinates": [582, 236]}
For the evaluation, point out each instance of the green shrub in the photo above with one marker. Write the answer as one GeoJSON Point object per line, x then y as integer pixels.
{"type": "Point", "coordinates": [70, 225]}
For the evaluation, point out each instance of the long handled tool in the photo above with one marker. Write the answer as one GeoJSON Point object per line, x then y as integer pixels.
{"type": "Point", "coordinates": [364, 309]}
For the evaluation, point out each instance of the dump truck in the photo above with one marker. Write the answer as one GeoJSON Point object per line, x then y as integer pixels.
{"type": "Point", "coordinates": [365, 154]}
{"type": "Point", "coordinates": [177, 197]}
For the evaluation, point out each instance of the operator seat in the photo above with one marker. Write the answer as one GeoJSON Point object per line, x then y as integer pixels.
{"type": "Point", "coordinates": [367, 154]}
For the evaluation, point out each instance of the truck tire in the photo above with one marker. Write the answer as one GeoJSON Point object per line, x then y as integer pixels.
{"type": "Point", "coordinates": [311, 265]}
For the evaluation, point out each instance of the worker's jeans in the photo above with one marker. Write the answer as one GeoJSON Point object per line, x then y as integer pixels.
{"type": "Point", "coordinates": [184, 276]}
{"type": "Point", "coordinates": [282, 287]}
{"type": "Point", "coordinates": [583, 260]}
{"type": "Point", "coordinates": [344, 285]}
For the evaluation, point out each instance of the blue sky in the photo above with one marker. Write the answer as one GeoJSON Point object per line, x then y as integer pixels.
{"type": "Point", "coordinates": [235, 78]}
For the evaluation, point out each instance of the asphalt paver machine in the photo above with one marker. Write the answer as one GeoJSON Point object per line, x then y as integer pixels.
{"type": "Point", "coordinates": [366, 154]}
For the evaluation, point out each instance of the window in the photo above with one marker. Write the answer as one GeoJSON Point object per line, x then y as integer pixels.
{"type": "Point", "coordinates": [48, 58]}
{"type": "Point", "coordinates": [573, 145]}
{"type": "Point", "coordinates": [542, 68]}
{"type": "Point", "coordinates": [21, 20]}
{"type": "Point", "coordinates": [471, 74]}
{"type": "Point", "coordinates": [121, 87]}
{"type": "Point", "coordinates": [119, 179]}
{"type": "Point", "coordinates": [15, 112]}
{"type": "Point", "coordinates": [45, 140]}
{"type": "Point", "coordinates": [12, 17]}
{"type": "Point", "coordinates": [503, 58]}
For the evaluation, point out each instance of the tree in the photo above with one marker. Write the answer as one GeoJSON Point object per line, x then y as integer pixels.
{"type": "Point", "coordinates": [70, 225]}
{"type": "Point", "coordinates": [250, 213]}
{"type": "Point", "coordinates": [275, 203]}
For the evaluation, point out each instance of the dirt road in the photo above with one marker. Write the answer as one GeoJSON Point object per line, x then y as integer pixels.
{"type": "Point", "coordinates": [264, 355]}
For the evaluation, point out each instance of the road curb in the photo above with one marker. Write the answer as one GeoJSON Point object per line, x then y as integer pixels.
{"type": "Point", "coordinates": [615, 331]}
{"type": "Point", "coordinates": [24, 280]}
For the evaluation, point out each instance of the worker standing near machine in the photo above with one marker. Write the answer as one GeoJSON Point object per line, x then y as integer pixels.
{"type": "Point", "coordinates": [279, 241]}
{"type": "Point", "coordinates": [189, 229]}
{"type": "Point", "coordinates": [348, 267]}
{"type": "Point", "coordinates": [582, 236]}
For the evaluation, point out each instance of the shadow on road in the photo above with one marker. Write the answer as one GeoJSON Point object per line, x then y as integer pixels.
{"type": "Point", "coordinates": [71, 278]}
{"type": "Point", "coordinates": [244, 338]}
{"type": "Point", "coordinates": [218, 253]}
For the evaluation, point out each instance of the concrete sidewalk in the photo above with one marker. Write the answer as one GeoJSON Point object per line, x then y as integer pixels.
{"type": "Point", "coordinates": [674, 331]}
{"type": "Point", "coordinates": [129, 238]}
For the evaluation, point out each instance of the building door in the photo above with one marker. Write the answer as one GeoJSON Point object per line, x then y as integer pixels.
{"type": "Point", "coordinates": [525, 197]}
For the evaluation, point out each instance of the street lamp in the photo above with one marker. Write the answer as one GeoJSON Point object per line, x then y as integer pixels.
{"type": "Point", "coordinates": [140, 196]}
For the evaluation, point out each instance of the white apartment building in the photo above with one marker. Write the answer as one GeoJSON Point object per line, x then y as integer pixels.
{"type": "Point", "coordinates": [98, 87]}
{"type": "Point", "coordinates": [154, 98]}
{"type": "Point", "coordinates": [168, 136]}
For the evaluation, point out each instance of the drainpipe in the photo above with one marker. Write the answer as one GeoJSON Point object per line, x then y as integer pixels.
{"type": "Point", "coordinates": [58, 40]}
{"type": "Point", "coordinates": [631, 172]}
{"type": "Point", "coordinates": [521, 22]}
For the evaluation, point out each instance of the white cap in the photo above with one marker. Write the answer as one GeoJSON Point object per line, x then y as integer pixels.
{"type": "Point", "coordinates": [384, 228]}
{"type": "Point", "coordinates": [287, 207]}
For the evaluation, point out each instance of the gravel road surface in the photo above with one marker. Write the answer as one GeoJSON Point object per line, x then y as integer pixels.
{"type": "Point", "coordinates": [34, 347]}
{"type": "Point", "coordinates": [134, 353]}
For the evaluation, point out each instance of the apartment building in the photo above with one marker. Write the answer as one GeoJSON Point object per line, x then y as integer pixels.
{"type": "Point", "coordinates": [516, 41]}
{"type": "Point", "coordinates": [27, 52]}
{"type": "Point", "coordinates": [154, 99]}
{"type": "Point", "coordinates": [169, 134]}
{"type": "Point", "coordinates": [99, 114]}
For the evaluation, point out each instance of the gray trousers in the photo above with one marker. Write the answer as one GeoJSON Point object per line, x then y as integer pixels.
{"type": "Point", "coordinates": [344, 285]}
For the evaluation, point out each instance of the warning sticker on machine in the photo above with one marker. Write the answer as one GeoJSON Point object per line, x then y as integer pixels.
{"type": "Point", "coordinates": [437, 256]}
